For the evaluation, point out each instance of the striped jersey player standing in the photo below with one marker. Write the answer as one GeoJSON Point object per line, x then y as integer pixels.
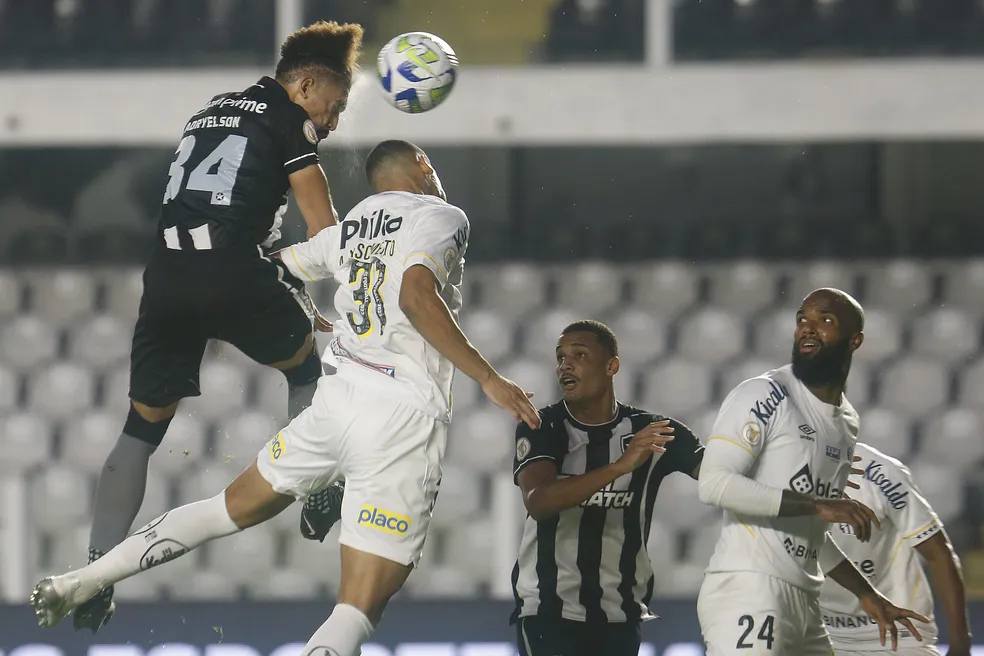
{"type": "Point", "coordinates": [777, 462]}
{"type": "Point", "coordinates": [891, 560]}
{"type": "Point", "coordinates": [589, 477]}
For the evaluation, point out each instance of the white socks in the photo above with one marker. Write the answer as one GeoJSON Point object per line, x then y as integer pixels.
{"type": "Point", "coordinates": [342, 634]}
{"type": "Point", "coordinates": [171, 535]}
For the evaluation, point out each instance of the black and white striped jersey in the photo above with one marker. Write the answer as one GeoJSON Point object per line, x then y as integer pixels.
{"type": "Point", "coordinates": [228, 182]}
{"type": "Point", "coordinates": [590, 563]}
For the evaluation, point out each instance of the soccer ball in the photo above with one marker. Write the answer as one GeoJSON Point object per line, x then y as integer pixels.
{"type": "Point", "coordinates": [417, 71]}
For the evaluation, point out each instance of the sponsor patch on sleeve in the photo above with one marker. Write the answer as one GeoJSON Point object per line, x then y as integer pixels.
{"type": "Point", "coordinates": [522, 449]}
{"type": "Point", "coordinates": [751, 434]}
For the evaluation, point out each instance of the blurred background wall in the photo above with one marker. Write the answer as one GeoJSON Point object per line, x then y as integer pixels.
{"type": "Point", "coordinates": [684, 170]}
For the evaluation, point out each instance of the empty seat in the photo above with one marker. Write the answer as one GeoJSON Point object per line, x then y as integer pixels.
{"type": "Point", "coordinates": [70, 550]}
{"type": "Point", "coordinates": [903, 285]}
{"type": "Point", "coordinates": [483, 440]}
{"type": "Point", "coordinates": [677, 504]}
{"type": "Point", "coordinates": [237, 556]}
{"type": "Point", "coordinates": [465, 394]}
{"type": "Point", "coordinates": [712, 336]}
{"type": "Point", "coordinates": [948, 334]}
{"type": "Point", "coordinates": [116, 389]}
{"type": "Point", "coordinates": [914, 386]}
{"type": "Point", "coordinates": [971, 388]}
{"type": "Point", "coordinates": [271, 394]}
{"type": "Point", "coordinates": [589, 289]}
{"type": "Point", "coordinates": [744, 288]}
{"type": "Point", "coordinates": [805, 278]}
{"type": "Point", "coordinates": [882, 335]}
{"type": "Point", "coordinates": [11, 295]}
{"type": "Point", "coordinates": [940, 486]}
{"type": "Point", "coordinates": [702, 423]}
{"type": "Point", "coordinates": [773, 335]}
{"type": "Point", "coordinates": [60, 496]}
{"type": "Point", "coordinates": [443, 583]}
{"type": "Point", "coordinates": [471, 546]}
{"type": "Point", "coordinates": [240, 438]}
{"type": "Point", "coordinates": [27, 441]}
{"type": "Point", "coordinates": [490, 332]}
{"type": "Point", "coordinates": [87, 440]}
{"type": "Point", "coordinates": [641, 335]}
{"type": "Point", "coordinates": [63, 296]}
{"type": "Point", "coordinates": [124, 288]}
{"type": "Point", "coordinates": [63, 390]}
{"type": "Point", "coordinates": [512, 290]}
{"type": "Point", "coordinates": [684, 580]}
{"type": "Point", "coordinates": [10, 386]}
{"type": "Point", "coordinates": [667, 289]}
{"type": "Point", "coordinates": [540, 336]}
{"type": "Point", "coordinates": [627, 382]}
{"type": "Point", "coordinates": [284, 585]}
{"type": "Point", "coordinates": [954, 438]}
{"type": "Point", "coordinates": [534, 376]}
{"type": "Point", "coordinates": [964, 286]}
{"type": "Point", "coordinates": [184, 445]}
{"type": "Point", "coordinates": [28, 342]}
{"type": "Point", "coordinates": [319, 562]}
{"type": "Point", "coordinates": [703, 540]}
{"type": "Point", "coordinates": [209, 479]}
{"type": "Point", "coordinates": [460, 495]}
{"type": "Point", "coordinates": [677, 387]}
{"type": "Point", "coordinates": [887, 431]}
{"type": "Point", "coordinates": [224, 386]}
{"type": "Point", "coordinates": [662, 547]}
{"type": "Point", "coordinates": [101, 341]}
{"type": "Point", "coordinates": [750, 368]}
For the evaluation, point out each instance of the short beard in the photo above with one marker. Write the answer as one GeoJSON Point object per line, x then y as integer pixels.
{"type": "Point", "coordinates": [828, 366]}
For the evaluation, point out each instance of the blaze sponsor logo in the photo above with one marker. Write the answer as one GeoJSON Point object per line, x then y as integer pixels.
{"type": "Point", "coordinates": [383, 520]}
{"type": "Point", "coordinates": [764, 409]}
{"type": "Point", "coordinates": [892, 491]}
{"type": "Point", "coordinates": [804, 483]}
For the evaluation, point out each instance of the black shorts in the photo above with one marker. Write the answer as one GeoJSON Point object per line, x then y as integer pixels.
{"type": "Point", "coordinates": [238, 296]}
{"type": "Point", "coordinates": [541, 636]}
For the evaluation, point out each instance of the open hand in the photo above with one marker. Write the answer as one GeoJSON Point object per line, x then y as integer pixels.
{"type": "Point", "coordinates": [651, 439]}
{"type": "Point", "coordinates": [887, 614]}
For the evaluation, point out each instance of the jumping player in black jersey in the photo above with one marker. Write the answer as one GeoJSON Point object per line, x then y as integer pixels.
{"type": "Point", "coordinates": [210, 275]}
{"type": "Point", "coordinates": [589, 477]}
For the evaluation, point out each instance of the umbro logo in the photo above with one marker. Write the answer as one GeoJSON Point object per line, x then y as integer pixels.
{"type": "Point", "coordinates": [806, 433]}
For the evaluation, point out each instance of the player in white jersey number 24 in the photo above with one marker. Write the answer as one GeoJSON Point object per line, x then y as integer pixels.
{"type": "Point", "coordinates": [777, 462]}
{"type": "Point", "coordinates": [909, 529]}
{"type": "Point", "coordinates": [380, 423]}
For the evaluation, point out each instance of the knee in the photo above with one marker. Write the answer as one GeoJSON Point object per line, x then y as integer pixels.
{"type": "Point", "coordinates": [148, 424]}
{"type": "Point", "coordinates": [305, 372]}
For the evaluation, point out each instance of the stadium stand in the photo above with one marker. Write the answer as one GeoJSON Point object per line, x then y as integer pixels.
{"type": "Point", "coordinates": [916, 382]}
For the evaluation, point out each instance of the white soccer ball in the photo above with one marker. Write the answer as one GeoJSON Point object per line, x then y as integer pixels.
{"type": "Point", "coordinates": [417, 71]}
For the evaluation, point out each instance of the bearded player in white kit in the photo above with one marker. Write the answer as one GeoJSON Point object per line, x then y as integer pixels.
{"type": "Point", "coordinates": [380, 423]}
{"type": "Point", "coordinates": [777, 461]}
{"type": "Point", "coordinates": [909, 529]}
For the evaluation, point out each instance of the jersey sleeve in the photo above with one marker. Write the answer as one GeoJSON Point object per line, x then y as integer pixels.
{"type": "Point", "coordinates": [300, 140]}
{"type": "Point", "coordinates": [742, 423]}
{"type": "Point", "coordinates": [311, 260]}
{"type": "Point", "coordinates": [438, 241]}
{"type": "Point", "coordinates": [535, 445]}
{"type": "Point", "coordinates": [904, 503]}
{"type": "Point", "coordinates": [685, 451]}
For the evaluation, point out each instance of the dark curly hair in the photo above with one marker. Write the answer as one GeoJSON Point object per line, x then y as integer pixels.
{"type": "Point", "coordinates": [604, 334]}
{"type": "Point", "coordinates": [326, 45]}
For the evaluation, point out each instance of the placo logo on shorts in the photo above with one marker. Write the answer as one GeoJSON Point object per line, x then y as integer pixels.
{"type": "Point", "coordinates": [383, 520]}
{"type": "Point", "coordinates": [277, 447]}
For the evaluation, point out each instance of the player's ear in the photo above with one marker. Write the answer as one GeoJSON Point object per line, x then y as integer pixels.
{"type": "Point", "coordinates": [857, 341]}
{"type": "Point", "coordinates": [306, 85]}
{"type": "Point", "coordinates": [424, 164]}
{"type": "Point", "coordinates": [613, 366]}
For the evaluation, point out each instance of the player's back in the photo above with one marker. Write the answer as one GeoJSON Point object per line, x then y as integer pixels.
{"type": "Point", "coordinates": [369, 252]}
{"type": "Point", "coordinates": [227, 185]}
{"type": "Point", "coordinates": [889, 559]}
{"type": "Point", "coordinates": [800, 443]}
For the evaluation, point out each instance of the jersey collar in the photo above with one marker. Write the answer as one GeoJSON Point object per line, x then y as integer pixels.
{"type": "Point", "coordinates": [585, 427]}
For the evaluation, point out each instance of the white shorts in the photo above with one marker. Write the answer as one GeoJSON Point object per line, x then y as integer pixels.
{"type": "Point", "coordinates": [906, 648]}
{"type": "Point", "coordinates": [745, 613]}
{"type": "Point", "coordinates": [388, 453]}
